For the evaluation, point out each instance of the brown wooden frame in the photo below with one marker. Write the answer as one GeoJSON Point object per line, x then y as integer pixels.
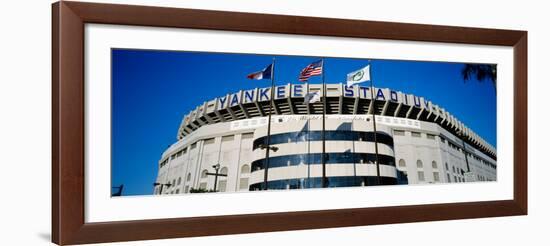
{"type": "Point", "coordinates": [68, 225]}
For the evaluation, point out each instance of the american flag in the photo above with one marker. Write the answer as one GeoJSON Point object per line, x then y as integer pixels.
{"type": "Point", "coordinates": [312, 69]}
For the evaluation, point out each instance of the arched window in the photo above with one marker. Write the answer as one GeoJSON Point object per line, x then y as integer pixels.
{"type": "Point", "coordinates": [245, 169]}
{"type": "Point", "coordinates": [434, 164]}
{"type": "Point", "coordinates": [203, 174]}
{"type": "Point", "coordinates": [419, 164]}
{"type": "Point", "coordinates": [447, 166]}
{"type": "Point", "coordinates": [223, 170]}
{"type": "Point", "coordinates": [243, 182]}
{"type": "Point", "coordinates": [402, 163]}
{"type": "Point", "coordinates": [189, 177]}
{"type": "Point", "coordinates": [179, 180]}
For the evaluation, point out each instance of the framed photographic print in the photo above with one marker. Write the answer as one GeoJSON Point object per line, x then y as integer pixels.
{"type": "Point", "coordinates": [176, 122]}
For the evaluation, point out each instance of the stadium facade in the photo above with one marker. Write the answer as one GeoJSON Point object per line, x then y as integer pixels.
{"type": "Point", "coordinates": [418, 142]}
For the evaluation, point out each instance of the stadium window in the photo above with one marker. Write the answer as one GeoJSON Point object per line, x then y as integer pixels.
{"type": "Point", "coordinates": [416, 134]}
{"type": "Point", "coordinates": [245, 169]}
{"type": "Point", "coordinates": [434, 164]}
{"type": "Point", "coordinates": [419, 164]}
{"type": "Point", "coordinates": [189, 177]}
{"type": "Point", "coordinates": [402, 163]}
{"type": "Point", "coordinates": [223, 170]}
{"type": "Point", "coordinates": [436, 177]}
{"type": "Point", "coordinates": [203, 174]}
{"type": "Point", "coordinates": [454, 170]}
{"type": "Point", "coordinates": [446, 166]}
{"type": "Point", "coordinates": [448, 178]}
{"type": "Point", "coordinates": [179, 180]}
{"type": "Point", "coordinates": [209, 141]}
{"type": "Point", "coordinates": [420, 176]}
{"type": "Point", "coordinates": [222, 184]}
{"type": "Point", "coordinates": [228, 138]}
{"type": "Point", "coordinates": [398, 133]}
{"type": "Point", "coordinates": [243, 184]}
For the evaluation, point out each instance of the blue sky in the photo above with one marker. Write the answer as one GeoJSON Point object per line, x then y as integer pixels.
{"type": "Point", "coordinates": [153, 90]}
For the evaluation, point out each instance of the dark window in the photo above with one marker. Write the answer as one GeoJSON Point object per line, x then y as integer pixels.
{"type": "Point", "coordinates": [381, 137]}
{"type": "Point", "coordinates": [228, 138]}
{"type": "Point", "coordinates": [398, 133]}
{"type": "Point", "coordinates": [346, 181]}
{"type": "Point", "coordinates": [315, 158]}
{"type": "Point", "coordinates": [209, 141]}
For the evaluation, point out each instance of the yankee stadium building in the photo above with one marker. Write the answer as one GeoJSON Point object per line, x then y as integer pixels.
{"type": "Point", "coordinates": [221, 145]}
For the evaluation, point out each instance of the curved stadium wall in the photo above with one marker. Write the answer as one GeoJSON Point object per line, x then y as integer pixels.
{"type": "Point", "coordinates": [418, 142]}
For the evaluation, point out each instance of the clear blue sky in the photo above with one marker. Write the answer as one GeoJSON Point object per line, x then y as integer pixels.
{"type": "Point", "coordinates": [153, 90]}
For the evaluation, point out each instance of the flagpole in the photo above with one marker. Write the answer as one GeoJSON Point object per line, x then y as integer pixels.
{"type": "Point", "coordinates": [308, 145]}
{"type": "Point", "coordinates": [353, 154]}
{"type": "Point", "coordinates": [323, 157]}
{"type": "Point", "coordinates": [373, 99]}
{"type": "Point", "coordinates": [269, 123]}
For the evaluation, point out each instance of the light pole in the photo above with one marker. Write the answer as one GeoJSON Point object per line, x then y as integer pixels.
{"type": "Point", "coordinates": [161, 186]}
{"type": "Point", "coordinates": [462, 137]}
{"type": "Point", "coordinates": [272, 148]}
{"type": "Point", "coordinates": [217, 168]}
{"type": "Point", "coordinates": [267, 148]}
{"type": "Point", "coordinates": [373, 100]}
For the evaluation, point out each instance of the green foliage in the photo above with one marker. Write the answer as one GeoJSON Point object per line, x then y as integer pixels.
{"type": "Point", "coordinates": [481, 72]}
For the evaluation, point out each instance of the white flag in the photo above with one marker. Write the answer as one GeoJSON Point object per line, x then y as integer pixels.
{"type": "Point", "coordinates": [312, 97]}
{"type": "Point", "coordinates": [359, 76]}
